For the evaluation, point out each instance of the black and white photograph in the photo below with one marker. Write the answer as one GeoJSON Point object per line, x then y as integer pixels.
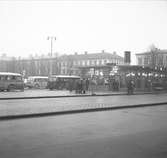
{"type": "Point", "coordinates": [83, 79]}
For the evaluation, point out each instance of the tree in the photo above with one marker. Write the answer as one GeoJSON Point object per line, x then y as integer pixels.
{"type": "Point", "coordinates": [152, 50]}
{"type": "Point", "coordinates": [152, 47]}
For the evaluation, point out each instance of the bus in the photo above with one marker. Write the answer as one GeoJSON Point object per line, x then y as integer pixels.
{"type": "Point", "coordinates": [60, 82]}
{"type": "Point", "coordinates": [37, 82]}
{"type": "Point", "coordinates": [11, 81]}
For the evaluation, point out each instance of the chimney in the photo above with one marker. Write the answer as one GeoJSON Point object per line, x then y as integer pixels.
{"type": "Point", "coordinates": [85, 52]}
{"type": "Point", "coordinates": [127, 57]}
{"type": "Point", "coordinates": [103, 51]}
{"type": "Point", "coordinates": [114, 53]}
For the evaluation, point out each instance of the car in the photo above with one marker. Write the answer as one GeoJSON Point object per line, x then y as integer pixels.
{"type": "Point", "coordinates": [158, 86]}
{"type": "Point", "coordinates": [36, 82]}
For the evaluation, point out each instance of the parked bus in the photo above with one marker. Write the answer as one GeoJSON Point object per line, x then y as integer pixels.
{"type": "Point", "coordinates": [36, 82]}
{"type": "Point", "coordinates": [11, 81]}
{"type": "Point", "coordinates": [62, 81]}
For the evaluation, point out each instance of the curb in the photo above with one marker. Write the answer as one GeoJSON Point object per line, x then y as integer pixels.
{"type": "Point", "coordinates": [72, 96]}
{"type": "Point", "coordinates": [35, 115]}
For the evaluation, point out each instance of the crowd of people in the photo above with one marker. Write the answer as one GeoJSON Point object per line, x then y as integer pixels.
{"type": "Point", "coordinates": [80, 86]}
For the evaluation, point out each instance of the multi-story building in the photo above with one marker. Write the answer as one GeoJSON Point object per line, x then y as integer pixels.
{"type": "Point", "coordinates": [67, 64]}
{"type": "Point", "coordinates": [154, 58]}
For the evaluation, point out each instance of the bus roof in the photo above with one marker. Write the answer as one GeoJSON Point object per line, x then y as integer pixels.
{"type": "Point", "coordinates": [65, 76]}
{"type": "Point", "coordinates": [10, 74]}
{"type": "Point", "coordinates": [38, 77]}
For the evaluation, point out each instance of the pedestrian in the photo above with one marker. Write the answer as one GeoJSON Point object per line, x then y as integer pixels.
{"type": "Point", "coordinates": [77, 86]}
{"type": "Point", "coordinates": [92, 85]}
{"type": "Point", "coordinates": [87, 84]}
{"type": "Point", "coordinates": [117, 85]}
{"type": "Point", "coordinates": [130, 87]}
{"type": "Point", "coordinates": [80, 86]}
{"type": "Point", "coordinates": [70, 85]}
{"type": "Point", "coordinates": [83, 86]}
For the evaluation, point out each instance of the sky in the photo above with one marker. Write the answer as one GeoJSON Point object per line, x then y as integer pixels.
{"type": "Point", "coordinates": [81, 26]}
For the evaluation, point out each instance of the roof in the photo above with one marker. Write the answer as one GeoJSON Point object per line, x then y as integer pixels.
{"type": "Point", "coordinates": [103, 55]}
{"type": "Point", "coordinates": [66, 76]}
{"type": "Point", "coordinates": [38, 77]}
{"type": "Point", "coordinates": [10, 73]}
{"type": "Point", "coordinates": [163, 51]}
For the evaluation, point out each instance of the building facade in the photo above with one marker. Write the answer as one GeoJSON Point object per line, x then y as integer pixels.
{"type": "Point", "coordinates": [61, 65]}
{"type": "Point", "coordinates": [155, 58]}
{"type": "Point", "coordinates": [68, 64]}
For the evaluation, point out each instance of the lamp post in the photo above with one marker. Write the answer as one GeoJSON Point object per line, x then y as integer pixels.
{"type": "Point", "coordinates": [51, 38]}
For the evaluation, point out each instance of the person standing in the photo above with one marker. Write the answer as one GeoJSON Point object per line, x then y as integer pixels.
{"type": "Point", "coordinates": [130, 87]}
{"type": "Point", "coordinates": [87, 84]}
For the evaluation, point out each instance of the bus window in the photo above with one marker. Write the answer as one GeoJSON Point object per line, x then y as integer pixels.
{"type": "Point", "coordinates": [61, 81]}
{"type": "Point", "coordinates": [18, 78]}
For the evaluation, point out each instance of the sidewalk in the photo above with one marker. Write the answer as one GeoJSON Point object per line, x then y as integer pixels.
{"type": "Point", "coordinates": [12, 109]}
{"type": "Point", "coordinates": [45, 93]}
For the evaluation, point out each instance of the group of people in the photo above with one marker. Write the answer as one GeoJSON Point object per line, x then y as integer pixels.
{"type": "Point", "coordinates": [115, 85]}
{"type": "Point", "coordinates": [80, 86]}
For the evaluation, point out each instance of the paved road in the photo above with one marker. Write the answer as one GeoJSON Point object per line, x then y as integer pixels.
{"type": "Point", "coordinates": [17, 107]}
{"type": "Point", "coordinates": [128, 133]}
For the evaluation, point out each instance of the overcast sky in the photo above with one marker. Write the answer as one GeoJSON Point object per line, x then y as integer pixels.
{"type": "Point", "coordinates": [82, 26]}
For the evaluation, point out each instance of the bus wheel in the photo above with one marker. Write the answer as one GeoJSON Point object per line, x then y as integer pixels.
{"type": "Point", "coordinates": [11, 88]}
{"type": "Point", "coordinates": [37, 86]}
{"type": "Point", "coordinates": [22, 89]}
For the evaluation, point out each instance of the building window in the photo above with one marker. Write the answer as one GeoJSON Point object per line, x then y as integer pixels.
{"type": "Point", "coordinates": [83, 63]}
{"type": "Point", "coordinates": [139, 61]}
{"type": "Point", "coordinates": [145, 61]}
{"type": "Point", "coordinates": [100, 62]}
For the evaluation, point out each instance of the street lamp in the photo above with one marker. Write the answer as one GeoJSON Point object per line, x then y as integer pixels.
{"type": "Point", "coordinates": [51, 38]}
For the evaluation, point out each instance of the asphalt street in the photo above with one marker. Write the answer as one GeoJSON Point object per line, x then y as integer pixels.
{"type": "Point", "coordinates": [128, 133]}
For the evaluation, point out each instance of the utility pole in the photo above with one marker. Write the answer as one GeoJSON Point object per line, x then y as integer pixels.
{"type": "Point", "coordinates": [51, 38]}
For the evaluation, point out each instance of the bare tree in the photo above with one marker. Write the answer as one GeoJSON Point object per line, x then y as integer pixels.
{"type": "Point", "coordinates": [153, 49]}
